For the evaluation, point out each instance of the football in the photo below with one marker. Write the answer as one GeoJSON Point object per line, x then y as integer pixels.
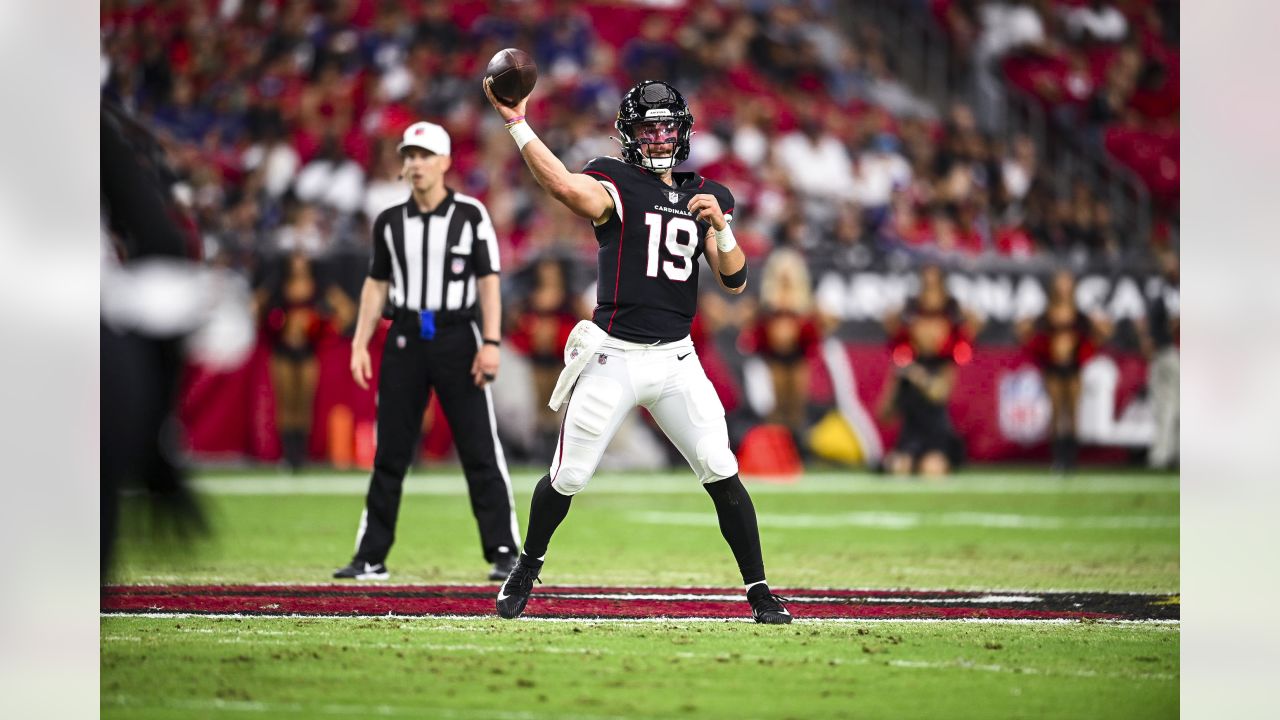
{"type": "Point", "coordinates": [514, 74]}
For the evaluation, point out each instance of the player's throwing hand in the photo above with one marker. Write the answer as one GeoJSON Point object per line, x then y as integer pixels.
{"type": "Point", "coordinates": [508, 113]}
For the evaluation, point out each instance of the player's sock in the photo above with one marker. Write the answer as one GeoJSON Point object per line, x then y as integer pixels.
{"type": "Point", "coordinates": [546, 511]}
{"type": "Point", "coordinates": [738, 525]}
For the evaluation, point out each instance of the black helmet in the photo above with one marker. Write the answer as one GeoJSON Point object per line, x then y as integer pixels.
{"type": "Point", "coordinates": [650, 101]}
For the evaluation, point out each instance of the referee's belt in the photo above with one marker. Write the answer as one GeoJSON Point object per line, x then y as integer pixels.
{"type": "Point", "coordinates": [443, 317]}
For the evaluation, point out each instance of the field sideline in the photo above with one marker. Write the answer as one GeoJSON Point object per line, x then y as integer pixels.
{"type": "Point", "coordinates": [984, 545]}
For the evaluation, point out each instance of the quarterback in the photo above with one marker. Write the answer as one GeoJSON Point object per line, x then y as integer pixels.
{"type": "Point", "coordinates": [653, 225]}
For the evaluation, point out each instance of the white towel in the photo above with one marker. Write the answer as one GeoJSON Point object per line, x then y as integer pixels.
{"type": "Point", "coordinates": [583, 342]}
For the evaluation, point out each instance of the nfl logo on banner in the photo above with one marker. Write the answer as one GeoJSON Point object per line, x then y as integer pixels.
{"type": "Point", "coordinates": [673, 196]}
{"type": "Point", "coordinates": [1023, 406]}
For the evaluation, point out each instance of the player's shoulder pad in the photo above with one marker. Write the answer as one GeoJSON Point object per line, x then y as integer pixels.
{"type": "Point", "coordinates": [604, 165]}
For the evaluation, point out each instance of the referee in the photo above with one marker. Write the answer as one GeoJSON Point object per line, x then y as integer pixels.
{"type": "Point", "coordinates": [436, 257]}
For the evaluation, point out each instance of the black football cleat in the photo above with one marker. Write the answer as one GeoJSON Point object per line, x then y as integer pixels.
{"type": "Point", "coordinates": [766, 607]}
{"type": "Point", "coordinates": [360, 570]}
{"type": "Point", "coordinates": [514, 594]}
{"type": "Point", "coordinates": [503, 564]}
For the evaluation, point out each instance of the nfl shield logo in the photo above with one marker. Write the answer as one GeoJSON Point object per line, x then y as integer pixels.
{"type": "Point", "coordinates": [400, 341]}
{"type": "Point", "coordinates": [603, 358]}
{"type": "Point", "coordinates": [673, 197]}
{"type": "Point", "coordinates": [573, 354]}
{"type": "Point", "coordinates": [458, 266]}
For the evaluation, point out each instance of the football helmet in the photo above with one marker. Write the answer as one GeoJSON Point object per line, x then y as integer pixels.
{"type": "Point", "coordinates": [652, 114]}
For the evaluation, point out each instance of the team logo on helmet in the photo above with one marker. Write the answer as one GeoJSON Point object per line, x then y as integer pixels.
{"type": "Point", "coordinates": [654, 102]}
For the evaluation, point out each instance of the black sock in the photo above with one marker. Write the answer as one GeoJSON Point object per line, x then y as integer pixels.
{"type": "Point", "coordinates": [546, 511]}
{"type": "Point", "coordinates": [738, 525]}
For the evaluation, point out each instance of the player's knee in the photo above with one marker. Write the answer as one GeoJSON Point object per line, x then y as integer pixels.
{"type": "Point", "coordinates": [717, 461]}
{"type": "Point", "coordinates": [570, 480]}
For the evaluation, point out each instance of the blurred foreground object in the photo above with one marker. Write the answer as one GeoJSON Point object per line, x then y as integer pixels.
{"type": "Point", "coordinates": [155, 299]}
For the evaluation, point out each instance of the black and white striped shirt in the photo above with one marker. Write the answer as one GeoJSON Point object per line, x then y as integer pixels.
{"type": "Point", "coordinates": [432, 260]}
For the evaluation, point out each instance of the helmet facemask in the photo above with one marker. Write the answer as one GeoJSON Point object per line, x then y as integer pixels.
{"type": "Point", "coordinates": [658, 141]}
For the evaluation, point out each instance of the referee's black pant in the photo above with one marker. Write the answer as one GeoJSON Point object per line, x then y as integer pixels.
{"type": "Point", "coordinates": [411, 369]}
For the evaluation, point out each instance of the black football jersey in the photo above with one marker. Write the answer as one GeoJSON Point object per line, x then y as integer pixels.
{"type": "Point", "coordinates": [649, 251]}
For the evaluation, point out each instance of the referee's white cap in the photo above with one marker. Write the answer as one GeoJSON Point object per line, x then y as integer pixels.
{"type": "Point", "coordinates": [425, 135]}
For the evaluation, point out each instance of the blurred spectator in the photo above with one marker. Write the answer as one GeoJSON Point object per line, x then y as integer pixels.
{"type": "Point", "coordinates": [385, 187]}
{"type": "Point", "coordinates": [542, 320]}
{"type": "Point", "coordinates": [295, 307]}
{"type": "Point", "coordinates": [786, 334]}
{"type": "Point", "coordinates": [1018, 168]}
{"type": "Point", "coordinates": [331, 179]}
{"type": "Point", "coordinates": [651, 54]}
{"type": "Point", "coordinates": [1060, 342]}
{"type": "Point", "coordinates": [1159, 336]}
{"type": "Point", "coordinates": [1005, 28]}
{"type": "Point", "coordinates": [928, 336]}
{"type": "Point", "coordinates": [1095, 22]}
{"type": "Point", "coordinates": [303, 231]}
{"type": "Point", "coordinates": [877, 171]}
{"type": "Point", "coordinates": [815, 161]}
{"type": "Point", "coordinates": [565, 40]}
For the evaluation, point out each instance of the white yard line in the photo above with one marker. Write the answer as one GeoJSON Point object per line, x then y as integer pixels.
{"type": "Point", "coordinates": [168, 581]}
{"type": "Point", "coordinates": [744, 619]}
{"type": "Point", "coordinates": [911, 521]}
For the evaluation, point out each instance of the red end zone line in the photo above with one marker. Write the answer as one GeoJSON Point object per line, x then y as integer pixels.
{"type": "Point", "coordinates": [492, 589]}
{"type": "Point", "coordinates": [478, 601]}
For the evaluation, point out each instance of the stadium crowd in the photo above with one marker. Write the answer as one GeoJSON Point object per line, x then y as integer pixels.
{"type": "Point", "coordinates": [281, 118]}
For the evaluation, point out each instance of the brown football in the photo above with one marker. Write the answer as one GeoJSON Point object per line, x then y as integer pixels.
{"type": "Point", "coordinates": [514, 74]}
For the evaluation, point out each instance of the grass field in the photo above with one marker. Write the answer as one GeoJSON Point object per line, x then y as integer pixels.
{"type": "Point", "coordinates": [1005, 531]}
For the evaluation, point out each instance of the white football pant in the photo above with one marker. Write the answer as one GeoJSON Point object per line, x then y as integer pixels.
{"type": "Point", "coordinates": [670, 383]}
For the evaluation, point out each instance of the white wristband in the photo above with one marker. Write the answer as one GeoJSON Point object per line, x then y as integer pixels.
{"type": "Point", "coordinates": [522, 133]}
{"type": "Point", "coordinates": [725, 240]}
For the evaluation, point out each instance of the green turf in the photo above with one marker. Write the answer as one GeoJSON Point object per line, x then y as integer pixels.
{"type": "Point", "coordinates": [1090, 533]}
{"type": "Point", "coordinates": [1006, 530]}
{"type": "Point", "coordinates": [196, 668]}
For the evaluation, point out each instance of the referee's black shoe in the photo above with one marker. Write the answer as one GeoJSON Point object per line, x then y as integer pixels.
{"type": "Point", "coordinates": [503, 564]}
{"type": "Point", "coordinates": [360, 570]}
{"type": "Point", "coordinates": [766, 607]}
{"type": "Point", "coordinates": [514, 593]}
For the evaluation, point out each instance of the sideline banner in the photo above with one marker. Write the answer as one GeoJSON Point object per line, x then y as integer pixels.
{"type": "Point", "coordinates": [998, 406]}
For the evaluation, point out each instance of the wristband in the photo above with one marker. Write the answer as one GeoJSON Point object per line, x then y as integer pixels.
{"type": "Point", "coordinates": [522, 133]}
{"type": "Point", "coordinates": [491, 341]}
{"type": "Point", "coordinates": [736, 280]}
{"type": "Point", "coordinates": [725, 240]}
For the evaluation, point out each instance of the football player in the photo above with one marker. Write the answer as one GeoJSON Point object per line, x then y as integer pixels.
{"type": "Point", "coordinates": [653, 225]}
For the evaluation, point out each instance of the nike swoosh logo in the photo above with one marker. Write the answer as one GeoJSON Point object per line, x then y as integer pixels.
{"type": "Point", "coordinates": [502, 596]}
{"type": "Point", "coordinates": [681, 357]}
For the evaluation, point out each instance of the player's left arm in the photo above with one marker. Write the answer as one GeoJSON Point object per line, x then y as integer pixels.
{"type": "Point", "coordinates": [724, 255]}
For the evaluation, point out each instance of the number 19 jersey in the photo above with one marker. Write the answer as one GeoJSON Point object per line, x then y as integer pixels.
{"type": "Point", "coordinates": [649, 251]}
